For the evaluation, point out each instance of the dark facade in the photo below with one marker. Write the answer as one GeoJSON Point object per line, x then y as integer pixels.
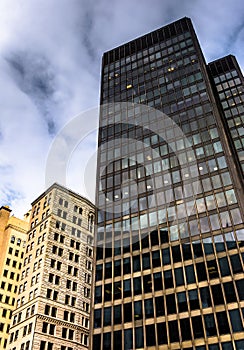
{"type": "Point", "coordinates": [229, 83]}
{"type": "Point", "coordinates": [169, 257]}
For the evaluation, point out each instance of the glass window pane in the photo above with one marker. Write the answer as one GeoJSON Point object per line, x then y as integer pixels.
{"type": "Point", "coordinates": [162, 333]}
{"type": "Point", "coordinates": [128, 340]}
{"type": "Point", "coordinates": [197, 327]}
{"type": "Point", "coordinates": [117, 314]}
{"type": "Point", "coordinates": [236, 321]}
{"type": "Point", "coordinates": [150, 335]}
{"type": "Point", "coordinates": [190, 276]}
{"type": "Point", "coordinates": [210, 325]}
{"type": "Point", "coordinates": [148, 305]}
{"type": "Point", "coordinates": [179, 278]}
{"type": "Point", "coordinates": [185, 329]}
{"type": "Point", "coordinates": [139, 338]}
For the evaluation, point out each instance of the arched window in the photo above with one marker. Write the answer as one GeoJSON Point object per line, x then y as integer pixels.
{"type": "Point", "coordinates": [90, 222]}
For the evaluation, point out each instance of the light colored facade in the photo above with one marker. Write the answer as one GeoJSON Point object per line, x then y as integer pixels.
{"type": "Point", "coordinates": [13, 234]}
{"type": "Point", "coordinates": [54, 294]}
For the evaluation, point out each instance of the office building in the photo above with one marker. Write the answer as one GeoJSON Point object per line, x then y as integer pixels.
{"type": "Point", "coordinates": [13, 234]}
{"type": "Point", "coordinates": [229, 83]}
{"type": "Point", "coordinates": [169, 256]}
{"type": "Point", "coordinates": [53, 304]}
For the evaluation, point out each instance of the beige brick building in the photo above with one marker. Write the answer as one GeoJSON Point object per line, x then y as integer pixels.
{"type": "Point", "coordinates": [13, 234]}
{"type": "Point", "coordinates": [53, 305]}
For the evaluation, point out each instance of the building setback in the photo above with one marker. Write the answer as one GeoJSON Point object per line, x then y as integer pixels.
{"type": "Point", "coordinates": [169, 257]}
{"type": "Point", "coordinates": [13, 235]}
{"type": "Point", "coordinates": [53, 304]}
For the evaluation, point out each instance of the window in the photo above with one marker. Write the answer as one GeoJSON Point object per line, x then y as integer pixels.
{"type": "Point", "coordinates": [46, 345]}
{"type": "Point", "coordinates": [87, 292]}
{"type": "Point", "coordinates": [223, 323]}
{"type": "Point", "coordinates": [4, 313]}
{"type": "Point", "coordinates": [88, 265]}
{"type": "Point", "coordinates": [87, 278]}
{"type": "Point", "coordinates": [197, 327]}
{"type": "Point", "coordinates": [64, 332]}
{"type": "Point", "coordinates": [90, 222]}
{"type": "Point", "coordinates": [150, 335]}
{"type": "Point", "coordinates": [236, 321]}
{"type": "Point", "coordinates": [44, 327]}
{"type": "Point", "coordinates": [210, 325]}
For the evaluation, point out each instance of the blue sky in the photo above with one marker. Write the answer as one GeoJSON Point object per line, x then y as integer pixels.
{"type": "Point", "coordinates": [50, 57]}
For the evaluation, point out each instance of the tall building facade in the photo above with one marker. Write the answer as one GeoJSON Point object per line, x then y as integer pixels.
{"type": "Point", "coordinates": [53, 305]}
{"type": "Point", "coordinates": [169, 256]}
{"type": "Point", "coordinates": [229, 83]}
{"type": "Point", "coordinates": [13, 236]}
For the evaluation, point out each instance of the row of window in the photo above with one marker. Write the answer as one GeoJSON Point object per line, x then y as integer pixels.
{"type": "Point", "coordinates": [29, 312]}
{"type": "Point", "coordinates": [9, 287]}
{"type": "Point", "coordinates": [165, 180]}
{"type": "Point", "coordinates": [168, 280]}
{"type": "Point", "coordinates": [161, 58]}
{"type": "Point", "coordinates": [167, 256]}
{"type": "Point", "coordinates": [7, 299]}
{"type": "Point", "coordinates": [25, 346]}
{"type": "Point", "coordinates": [159, 165]}
{"type": "Point", "coordinates": [73, 244]}
{"type": "Point", "coordinates": [151, 43]}
{"type": "Point", "coordinates": [65, 203]}
{"type": "Point", "coordinates": [34, 280]}
{"type": "Point", "coordinates": [135, 92]}
{"type": "Point", "coordinates": [14, 263]}
{"type": "Point", "coordinates": [155, 143]}
{"type": "Point", "coordinates": [16, 252]}
{"type": "Point", "coordinates": [14, 335]}
{"type": "Point", "coordinates": [32, 234]}
{"type": "Point", "coordinates": [184, 330]}
{"type": "Point", "coordinates": [18, 241]}
{"type": "Point", "coordinates": [207, 246]}
{"type": "Point", "coordinates": [54, 295]}
{"type": "Point", "coordinates": [164, 57]}
{"type": "Point", "coordinates": [48, 328]}
{"type": "Point", "coordinates": [36, 208]}
{"type": "Point", "coordinates": [45, 214]}
{"type": "Point", "coordinates": [32, 245]}
{"type": "Point", "coordinates": [74, 231]}
{"type": "Point", "coordinates": [76, 220]}
{"type": "Point", "coordinates": [44, 345]}
{"type": "Point", "coordinates": [32, 295]}
{"type": "Point", "coordinates": [167, 305]}
{"type": "Point", "coordinates": [178, 229]}
{"type": "Point", "coordinates": [10, 274]}
{"type": "Point", "coordinates": [141, 80]}
{"type": "Point", "coordinates": [42, 226]}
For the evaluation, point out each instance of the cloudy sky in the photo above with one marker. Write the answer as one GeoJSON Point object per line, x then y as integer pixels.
{"type": "Point", "coordinates": [50, 57]}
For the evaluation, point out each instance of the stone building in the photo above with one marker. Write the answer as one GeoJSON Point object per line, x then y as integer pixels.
{"type": "Point", "coordinates": [53, 305]}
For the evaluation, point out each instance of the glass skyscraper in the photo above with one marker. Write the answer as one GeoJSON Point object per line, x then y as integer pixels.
{"type": "Point", "coordinates": [169, 257]}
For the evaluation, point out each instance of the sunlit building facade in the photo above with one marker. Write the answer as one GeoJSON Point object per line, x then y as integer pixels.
{"type": "Point", "coordinates": [169, 256]}
{"type": "Point", "coordinates": [53, 305]}
{"type": "Point", "coordinates": [13, 236]}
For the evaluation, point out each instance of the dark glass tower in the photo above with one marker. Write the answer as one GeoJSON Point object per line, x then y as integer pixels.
{"type": "Point", "coordinates": [169, 257]}
{"type": "Point", "coordinates": [229, 82]}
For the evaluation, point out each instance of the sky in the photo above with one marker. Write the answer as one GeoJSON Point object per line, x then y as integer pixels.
{"type": "Point", "coordinates": [50, 59]}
